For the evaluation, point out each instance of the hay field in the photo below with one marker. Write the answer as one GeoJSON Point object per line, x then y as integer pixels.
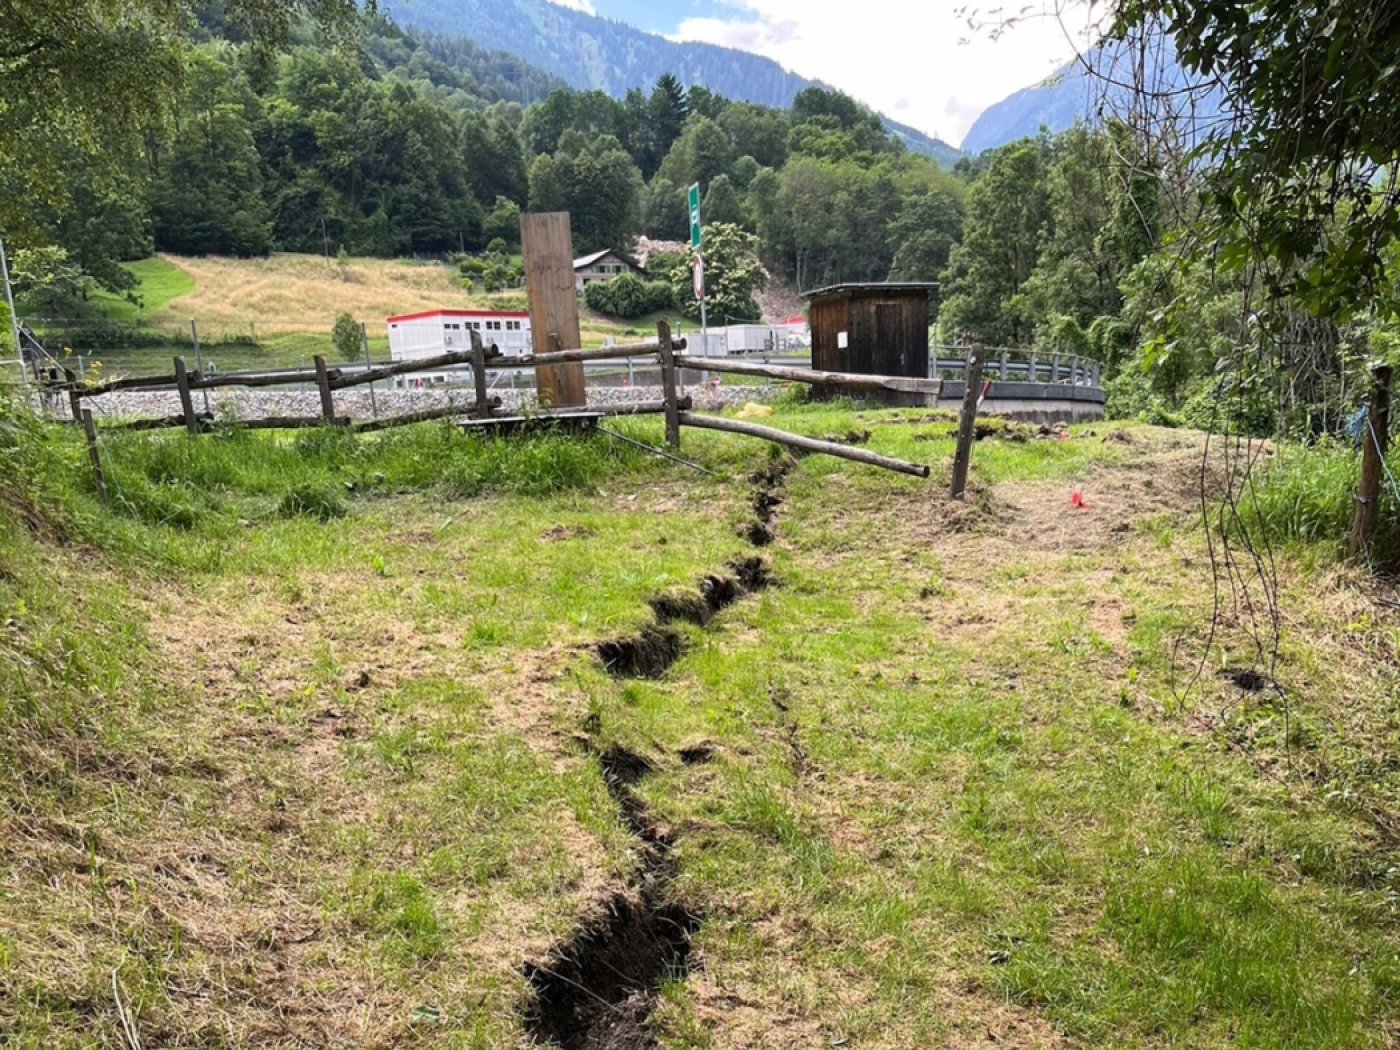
{"type": "Point", "coordinates": [287, 294]}
{"type": "Point", "coordinates": [297, 290]}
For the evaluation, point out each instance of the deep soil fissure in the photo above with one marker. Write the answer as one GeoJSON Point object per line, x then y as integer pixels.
{"type": "Point", "coordinates": [650, 652]}
{"type": "Point", "coordinates": [597, 990]}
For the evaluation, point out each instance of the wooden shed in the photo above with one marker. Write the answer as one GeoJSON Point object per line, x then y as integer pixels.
{"type": "Point", "coordinates": [871, 329]}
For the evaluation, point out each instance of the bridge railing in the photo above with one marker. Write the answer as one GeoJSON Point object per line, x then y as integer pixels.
{"type": "Point", "coordinates": [1009, 365]}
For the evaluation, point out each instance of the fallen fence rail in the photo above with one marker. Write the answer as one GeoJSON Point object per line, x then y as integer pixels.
{"type": "Point", "coordinates": [782, 437]}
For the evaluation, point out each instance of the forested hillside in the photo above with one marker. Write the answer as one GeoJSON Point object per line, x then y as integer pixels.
{"type": "Point", "coordinates": [593, 53]}
{"type": "Point", "coordinates": [402, 146]}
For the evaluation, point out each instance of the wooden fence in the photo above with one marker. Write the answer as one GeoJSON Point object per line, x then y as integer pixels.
{"type": "Point", "coordinates": [485, 410]}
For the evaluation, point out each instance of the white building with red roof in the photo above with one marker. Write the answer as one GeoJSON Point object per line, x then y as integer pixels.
{"type": "Point", "coordinates": [433, 333]}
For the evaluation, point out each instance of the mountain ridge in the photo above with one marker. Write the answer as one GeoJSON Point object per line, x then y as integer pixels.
{"type": "Point", "coordinates": [591, 52]}
{"type": "Point", "coordinates": [1086, 90]}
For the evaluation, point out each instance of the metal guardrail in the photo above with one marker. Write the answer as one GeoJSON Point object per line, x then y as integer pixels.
{"type": "Point", "coordinates": [1005, 364]}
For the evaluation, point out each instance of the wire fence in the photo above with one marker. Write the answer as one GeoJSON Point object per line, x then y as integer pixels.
{"type": "Point", "coordinates": [100, 348]}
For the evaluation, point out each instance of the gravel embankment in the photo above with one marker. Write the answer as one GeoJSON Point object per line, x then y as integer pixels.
{"type": "Point", "coordinates": [258, 404]}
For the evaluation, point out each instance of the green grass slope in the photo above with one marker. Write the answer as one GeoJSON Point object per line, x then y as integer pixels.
{"type": "Point", "coordinates": [301, 734]}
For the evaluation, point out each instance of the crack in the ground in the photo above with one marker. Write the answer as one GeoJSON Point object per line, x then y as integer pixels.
{"type": "Point", "coordinates": [651, 652]}
{"type": "Point", "coordinates": [768, 497]}
{"type": "Point", "coordinates": [597, 990]}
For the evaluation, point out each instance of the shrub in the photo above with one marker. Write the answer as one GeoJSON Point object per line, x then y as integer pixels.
{"type": "Point", "coordinates": [345, 336]}
{"type": "Point", "coordinates": [628, 296]}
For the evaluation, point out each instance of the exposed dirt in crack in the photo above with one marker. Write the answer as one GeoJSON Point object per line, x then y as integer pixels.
{"type": "Point", "coordinates": [645, 655]}
{"type": "Point", "coordinates": [651, 652]}
{"type": "Point", "coordinates": [768, 497]}
{"type": "Point", "coordinates": [597, 990]}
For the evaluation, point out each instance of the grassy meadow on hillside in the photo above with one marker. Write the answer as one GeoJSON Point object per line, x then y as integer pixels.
{"type": "Point", "coordinates": [278, 311]}
{"type": "Point", "coordinates": [306, 743]}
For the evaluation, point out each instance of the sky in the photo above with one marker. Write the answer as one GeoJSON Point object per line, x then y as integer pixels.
{"type": "Point", "coordinates": [917, 61]}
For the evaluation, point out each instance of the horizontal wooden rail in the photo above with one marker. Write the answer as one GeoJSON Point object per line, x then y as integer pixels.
{"type": "Point", "coordinates": [806, 444]}
{"type": "Point", "coordinates": [562, 357]}
{"type": "Point", "coordinates": [906, 384]}
{"type": "Point", "coordinates": [163, 423]}
{"type": "Point", "coordinates": [369, 426]}
{"type": "Point", "coordinates": [207, 421]}
{"type": "Point", "coordinates": [287, 423]}
{"type": "Point", "coordinates": [200, 381]}
{"type": "Point", "coordinates": [399, 368]}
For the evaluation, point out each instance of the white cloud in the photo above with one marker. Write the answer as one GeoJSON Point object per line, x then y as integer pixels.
{"type": "Point", "coordinates": [919, 62]}
{"type": "Point", "coordinates": [586, 6]}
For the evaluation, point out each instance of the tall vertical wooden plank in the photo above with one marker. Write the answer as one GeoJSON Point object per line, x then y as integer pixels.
{"type": "Point", "coordinates": [548, 247]}
{"type": "Point", "coordinates": [75, 401]}
{"type": "Point", "coordinates": [94, 457]}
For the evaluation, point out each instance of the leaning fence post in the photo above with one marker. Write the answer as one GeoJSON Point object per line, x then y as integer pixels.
{"type": "Point", "coordinates": [100, 480]}
{"type": "Point", "coordinates": [479, 374]}
{"type": "Point", "coordinates": [323, 383]}
{"type": "Point", "coordinates": [1374, 440]}
{"type": "Point", "coordinates": [182, 384]}
{"type": "Point", "coordinates": [668, 384]}
{"type": "Point", "coordinates": [967, 423]}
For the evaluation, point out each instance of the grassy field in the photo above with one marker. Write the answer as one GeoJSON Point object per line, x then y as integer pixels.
{"type": "Point", "coordinates": [278, 311]}
{"type": "Point", "coordinates": [161, 282]}
{"type": "Point", "coordinates": [308, 743]}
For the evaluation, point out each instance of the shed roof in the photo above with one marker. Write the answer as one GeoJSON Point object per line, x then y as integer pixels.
{"type": "Point", "coordinates": [872, 288]}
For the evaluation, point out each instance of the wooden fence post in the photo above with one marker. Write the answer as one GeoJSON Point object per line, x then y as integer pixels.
{"type": "Point", "coordinates": [182, 384]}
{"type": "Point", "coordinates": [90, 429]}
{"type": "Point", "coordinates": [967, 424]}
{"type": "Point", "coordinates": [668, 384]}
{"type": "Point", "coordinates": [323, 383]}
{"type": "Point", "coordinates": [75, 402]}
{"type": "Point", "coordinates": [546, 243]}
{"type": "Point", "coordinates": [479, 374]}
{"type": "Point", "coordinates": [1374, 441]}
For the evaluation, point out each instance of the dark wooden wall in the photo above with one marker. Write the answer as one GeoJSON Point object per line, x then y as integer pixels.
{"type": "Point", "coordinates": [887, 332]}
{"type": "Point", "coordinates": [827, 317]}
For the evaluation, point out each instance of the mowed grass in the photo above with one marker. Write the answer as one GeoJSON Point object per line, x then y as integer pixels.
{"type": "Point", "coordinates": [161, 282]}
{"type": "Point", "coordinates": [294, 291]}
{"type": "Point", "coordinates": [313, 770]}
{"type": "Point", "coordinates": [277, 312]}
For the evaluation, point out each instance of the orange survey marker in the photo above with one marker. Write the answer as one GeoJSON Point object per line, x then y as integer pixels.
{"type": "Point", "coordinates": [1076, 499]}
